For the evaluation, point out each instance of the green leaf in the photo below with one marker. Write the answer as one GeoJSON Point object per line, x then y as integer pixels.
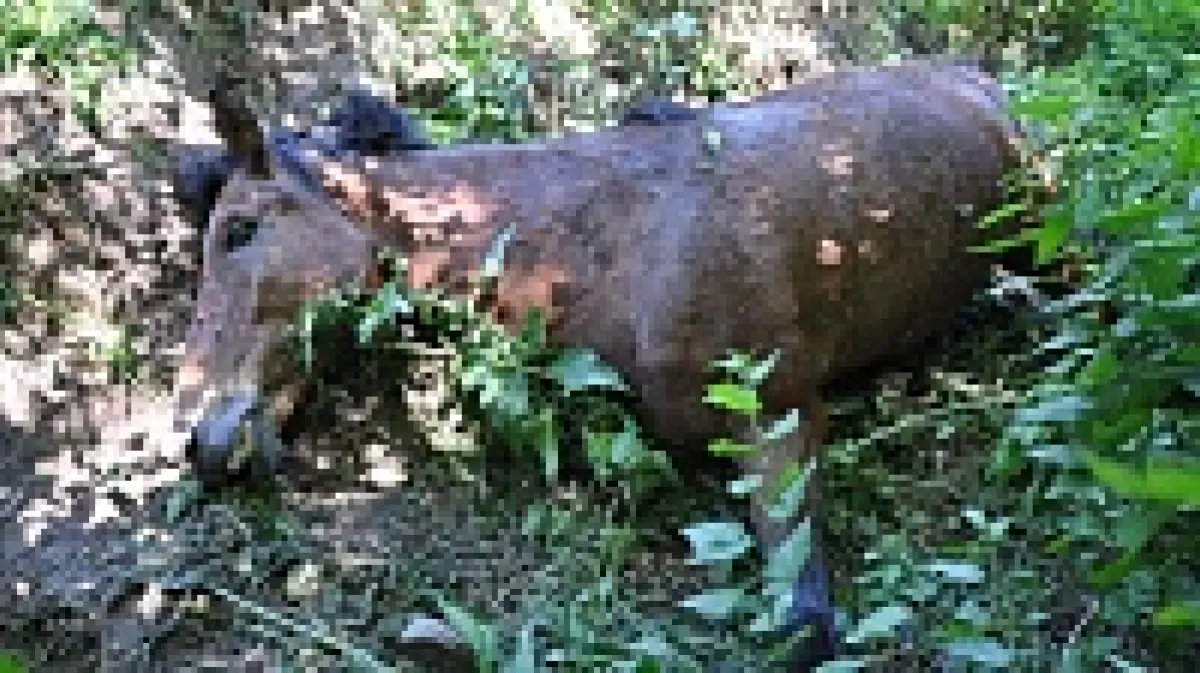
{"type": "Point", "coordinates": [1125, 665]}
{"type": "Point", "coordinates": [734, 362]}
{"type": "Point", "coordinates": [730, 449]}
{"type": "Point", "coordinates": [715, 604]}
{"type": "Point", "coordinates": [842, 665]}
{"type": "Point", "coordinates": [648, 664]}
{"type": "Point", "coordinates": [507, 394]}
{"type": "Point", "coordinates": [963, 573]}
{"type": "Point", "coordinates": [733, 398]}
{"type": "Point", "coordinates": [1120, 220]}
{"type": "Point", "coordinates": [717, 542]}
{"type": "Point", "coordinates": [1186, 613]}
{"type": "Point", "coordinates": [773, 616]}
{"type": "Point", "coordinates": [1172, 483]}
{"type": "Point", "coordinates": [881, 623]}
{"type": "Point", "coordinates": [623, 450]}
{"type": "Point", "coordinates": [581, 369]}
{"type": "Point", "coordinates": [599, 449]}
{"type": "Point", "coordinates": [998, 245]}
{"type": "Point", "coordinates": [1053, 454]}
{"type": "Point", "coordinates": [1137, 528]}
{"type": "Point", "coordinates": [761, 370]}
{"type": "Point", "coordinates": [533, 332]}
{"type": "Point", "coordinates": [651, 649]}
{"type": "Point", "coordinates": [388, 303]}
{"type": "Point", "coordinates": [480, 637]}
{"type": "Point", "coordinates": [1109, 575]}
{"type": "Point", "coordinates": [793, 484]}
{"type": "Point", "coordinates": [1050, 238]}
{"type": "Point", "coordinates": [493, 261]}
{"type": "Point", "coordinates": [178, 502]}
{"type": "Point", "coordinates": [10, 663]}
{"type": "Point", "coordinates": [1070, 660]}
{"type": "Point", "coordinates": [628, 449]}
{"type": "Point", "coordinates": [783, 427]}
{"type": "Point", "coordinates": [525, 658]}
{"type": "Point", "coordinates": [548, 443]}
{"type": "Point", "coordinates": [745, 485]}
{"type": "Point", "coordinates": [1046, 107]}
{"type": "Point", "coordinates": [1001, 214]}
{"type": "Point", "coordinates": [1064, 409]}
{"type": "Point", "coordinates": [791, 556]}
{"type": "Point", "coordinates": [987, 652]}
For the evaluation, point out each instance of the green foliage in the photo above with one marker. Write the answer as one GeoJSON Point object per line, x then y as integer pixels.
{"type": "Point", "coordinates": [1119, 401]}
{"type": "Point", "coordinates": [731, 397]}
{"type": "Point", "coordinates": [52, 33]}
{"type": "Point", "coordinates": [486, 83]}
{"type": "Point", "coordinates": [1039, 31]}
{"type": "Point", "coordinates": [10, 663]}
{"type": "Point", "coordinates": [61, 38]}
{"type": "Point", "coordinates": [527, 396]}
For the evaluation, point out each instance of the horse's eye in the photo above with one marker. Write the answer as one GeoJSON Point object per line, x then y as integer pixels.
{"type": "Point", "coordinates": [239, 231]}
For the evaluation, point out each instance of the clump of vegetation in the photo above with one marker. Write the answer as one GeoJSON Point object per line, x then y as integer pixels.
{"type": "Point", "coordinates": [65, 41]}
{"type": "Point", "coordinates": [532, 401]}
{"type": "Point", "coordinates": [1111, 426]}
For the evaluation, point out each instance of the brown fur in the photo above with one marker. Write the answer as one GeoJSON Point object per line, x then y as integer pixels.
{"type": "Point", "coordinates": [829, 220]}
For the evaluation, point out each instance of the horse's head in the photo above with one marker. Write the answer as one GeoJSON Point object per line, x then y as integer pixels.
{"type": "Point", "coordinates": [273, 240]}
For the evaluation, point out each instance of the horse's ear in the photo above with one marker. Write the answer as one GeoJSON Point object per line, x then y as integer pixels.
{"type": "Point", "coordinates": [238, 128]}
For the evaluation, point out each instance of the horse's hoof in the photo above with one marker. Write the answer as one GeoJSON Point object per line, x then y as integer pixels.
{"type": "Point", "coordinates": [812, 608]}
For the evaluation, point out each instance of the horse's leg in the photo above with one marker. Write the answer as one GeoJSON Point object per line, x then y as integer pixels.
{"type": "Point", "coordinates": [812, 596]}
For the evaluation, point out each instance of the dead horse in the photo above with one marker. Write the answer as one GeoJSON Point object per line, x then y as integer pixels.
{"type": "Point", "coordinates": [829, 220]}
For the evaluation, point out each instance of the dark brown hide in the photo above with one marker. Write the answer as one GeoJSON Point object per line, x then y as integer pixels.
{"type": "Point", "coordinates": [831, 222]}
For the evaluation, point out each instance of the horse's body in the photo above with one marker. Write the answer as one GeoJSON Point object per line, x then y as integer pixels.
{"type": "Point", "coordinates": [830, 220]}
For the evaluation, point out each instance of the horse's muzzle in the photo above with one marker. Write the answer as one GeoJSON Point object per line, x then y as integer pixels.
{"type": "Point", "coordinates": [235, 442]}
